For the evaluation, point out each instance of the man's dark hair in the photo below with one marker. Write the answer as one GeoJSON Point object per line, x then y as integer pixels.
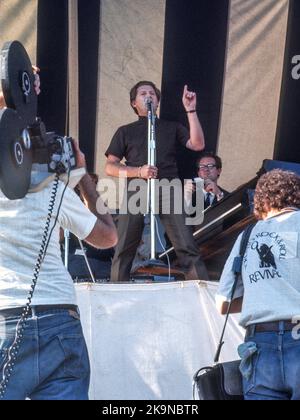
{"type": "Point", "coordinates": [133, 91]}
{"type": "Point", "coordinates": [212, 155]}
{"type": "Point", "coordinates": [276, 190]}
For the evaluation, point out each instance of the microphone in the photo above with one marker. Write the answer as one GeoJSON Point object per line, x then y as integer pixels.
{"type": "Point", "coordinates": [148, 103]}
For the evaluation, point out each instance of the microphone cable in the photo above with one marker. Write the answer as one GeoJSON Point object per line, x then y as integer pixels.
{"type": "Point", "coordinates": [163, 247]}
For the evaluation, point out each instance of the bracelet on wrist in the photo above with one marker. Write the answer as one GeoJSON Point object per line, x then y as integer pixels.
{"type": "Point", "coordinates": [140, 172]}
{"type": "Point", "coordinates": [191, 112]}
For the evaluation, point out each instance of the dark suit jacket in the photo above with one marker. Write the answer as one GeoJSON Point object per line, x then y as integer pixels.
{"type": "Point", "coordinates": [215, 200]}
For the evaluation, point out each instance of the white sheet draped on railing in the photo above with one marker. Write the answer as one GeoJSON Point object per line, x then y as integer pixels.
{"type": "Point", "coordinates": [147, 340]}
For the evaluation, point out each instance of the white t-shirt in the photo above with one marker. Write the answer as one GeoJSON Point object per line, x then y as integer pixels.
{"type": "Point", "coordinates": [271, 271]}
{"type": "Point", "coordinates": [22, 224]}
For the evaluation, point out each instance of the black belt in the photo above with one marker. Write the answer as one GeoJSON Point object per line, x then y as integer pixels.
{"type": "Point", "coordinates": [275, 326]}
{"type": "Point", "coordinates": [38, 309]}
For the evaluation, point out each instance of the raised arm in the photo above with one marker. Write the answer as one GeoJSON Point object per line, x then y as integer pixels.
{"type": "Point", "coordinates": [104, 234]}
{"type": "Point", "coordinates": [197, 140]}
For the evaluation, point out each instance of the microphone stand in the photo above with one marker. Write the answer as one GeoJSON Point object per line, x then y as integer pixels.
{"type": "Point", "coordinates": [152, 266]}
{"type": "Point", "coordinates": [152, 182]}
{"type": "Point", "coordinates": [66, 255]}
{"type": "Point", "coordinates": [87, 261]}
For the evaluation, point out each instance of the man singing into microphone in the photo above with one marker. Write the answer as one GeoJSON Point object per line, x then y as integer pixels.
{"type": "Point", "coordinates": [131, 142]}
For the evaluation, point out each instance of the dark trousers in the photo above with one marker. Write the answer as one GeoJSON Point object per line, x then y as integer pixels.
{"type": "Point", "coordinates": [130, 230]}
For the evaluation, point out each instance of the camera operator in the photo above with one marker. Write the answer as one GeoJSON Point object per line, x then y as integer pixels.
{"type": "Point", "coordinates": [52, 361]}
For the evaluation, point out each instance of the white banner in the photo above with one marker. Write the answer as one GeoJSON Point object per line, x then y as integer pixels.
{"type": "Point", "coordinates": [146, 341]}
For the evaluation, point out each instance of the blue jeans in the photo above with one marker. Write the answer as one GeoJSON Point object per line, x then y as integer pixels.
{"type": "Point", "coordinates": [273, 373]}
{"type": "Point", "coordinates": [52, 363]}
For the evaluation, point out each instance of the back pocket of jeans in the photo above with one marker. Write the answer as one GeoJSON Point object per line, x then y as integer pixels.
{"type": "Point", "coordinates": [76, 362]}
{"type": "Point", "coordinates": [250, 384]}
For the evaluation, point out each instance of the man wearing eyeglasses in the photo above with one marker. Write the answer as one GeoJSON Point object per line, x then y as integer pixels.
{"type": "Point", "coordinates": [209, 168]}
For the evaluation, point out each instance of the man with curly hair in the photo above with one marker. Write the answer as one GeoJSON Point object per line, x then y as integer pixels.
{"type": "Point", "coordinates": [268, 294]}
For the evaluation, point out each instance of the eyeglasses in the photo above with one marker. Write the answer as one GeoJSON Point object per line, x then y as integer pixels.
{"type": "Point", "coordinates": [210, 166]}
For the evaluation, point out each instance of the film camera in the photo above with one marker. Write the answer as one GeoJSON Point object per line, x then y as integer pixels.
{"type": "Point", "coordinates": [24, 142]}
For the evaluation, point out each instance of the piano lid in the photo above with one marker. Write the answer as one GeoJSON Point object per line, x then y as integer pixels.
{"type": "Point", "coordinates": [269, 165]}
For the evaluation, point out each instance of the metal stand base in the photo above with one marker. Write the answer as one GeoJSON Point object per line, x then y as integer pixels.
{"type": "Point", "coordinates": [158, 268]}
